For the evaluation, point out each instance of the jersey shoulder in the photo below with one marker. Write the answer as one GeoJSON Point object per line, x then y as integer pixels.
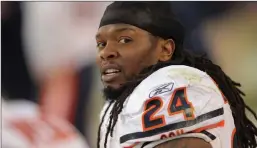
{"type": "Point", "coordinates": [173, 100]}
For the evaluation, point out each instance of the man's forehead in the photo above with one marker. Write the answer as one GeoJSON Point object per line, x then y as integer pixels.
{"type": "Point", "coordinates": [115, 28]}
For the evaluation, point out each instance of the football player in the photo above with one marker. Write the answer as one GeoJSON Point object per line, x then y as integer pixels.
{"type": "Point", "coordinates": [158, 94]}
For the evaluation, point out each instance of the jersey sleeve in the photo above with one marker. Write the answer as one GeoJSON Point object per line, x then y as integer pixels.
{"type": "Point", "coordinates": [173, 102]}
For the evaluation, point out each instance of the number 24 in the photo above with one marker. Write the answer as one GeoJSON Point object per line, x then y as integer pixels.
{"type": "Point", "coordinates": [178, 104]}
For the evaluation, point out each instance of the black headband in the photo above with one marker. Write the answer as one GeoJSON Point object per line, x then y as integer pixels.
{"type": "Point", "coordinates": [154, 17]}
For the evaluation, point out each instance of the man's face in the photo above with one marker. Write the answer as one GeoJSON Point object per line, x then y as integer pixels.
{"type": "Point", "coordinates": [123, 51]}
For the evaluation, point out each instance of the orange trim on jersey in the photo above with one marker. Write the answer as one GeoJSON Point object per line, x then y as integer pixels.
{"type": "Point", "coordinates": [131, 146]}
{"type": "Point", "coordinates": [181, 111]}
{"type": "Point", "coordinates": [152, 115]}
{"type": "Point", "coordinates": [224, 98]}
{"type": "Point", "coordinates": [232, 137]}
{"type": "Point", "coordinates": [219, 124]}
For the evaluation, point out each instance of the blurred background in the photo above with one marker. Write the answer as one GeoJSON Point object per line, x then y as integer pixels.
{"type": "Point", "coordinates": [48, 52]}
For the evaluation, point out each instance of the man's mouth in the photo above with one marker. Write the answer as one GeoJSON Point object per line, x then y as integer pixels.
{"type": "Point", "coordinates": [110, 73]}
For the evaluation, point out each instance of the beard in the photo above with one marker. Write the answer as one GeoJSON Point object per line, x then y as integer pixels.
{"type": "Point", "coordinates": [113, 94]}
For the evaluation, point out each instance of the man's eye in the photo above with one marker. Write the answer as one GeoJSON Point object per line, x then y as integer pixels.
{"type": "Point", "coordinates": [125, 40]}
{"type": "Point", "coordinates": [100, 45]}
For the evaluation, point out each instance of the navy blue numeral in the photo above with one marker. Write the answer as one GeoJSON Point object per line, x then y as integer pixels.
{"type": "Point", "coordinates": [149, 119]}
{"type": "Point", "coordinates": [180, 104]}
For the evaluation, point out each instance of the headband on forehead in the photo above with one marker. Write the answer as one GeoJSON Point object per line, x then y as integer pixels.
{"type": "Point", "coordinates": [154, 17]}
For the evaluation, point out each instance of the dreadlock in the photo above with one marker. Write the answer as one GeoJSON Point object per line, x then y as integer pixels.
{"type": "Point", "coordinates": [246, 131]}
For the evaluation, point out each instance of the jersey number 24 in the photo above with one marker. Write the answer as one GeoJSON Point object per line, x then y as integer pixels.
{"type": "Point", "coordinates": [178, 104]}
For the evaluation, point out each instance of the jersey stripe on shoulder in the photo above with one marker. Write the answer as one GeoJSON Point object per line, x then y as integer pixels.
{"type": "Point", "coordinates": [170, 127]}
{"type": "Point", "coordinates": [210, 135]}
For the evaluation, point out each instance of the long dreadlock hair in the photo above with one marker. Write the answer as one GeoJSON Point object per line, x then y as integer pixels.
{"type": "Point", "coordinates": [246, 130]}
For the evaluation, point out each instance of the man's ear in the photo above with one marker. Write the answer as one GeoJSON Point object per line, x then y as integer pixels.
{"type": "Point", "coordinates": [168, 48]}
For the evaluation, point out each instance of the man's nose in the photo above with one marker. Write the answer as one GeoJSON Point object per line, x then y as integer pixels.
{"type": "Point", "coordinates": [108, 53]}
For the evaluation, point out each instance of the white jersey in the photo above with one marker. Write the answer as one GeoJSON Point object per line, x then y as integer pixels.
{"type": "Point", "coordinates": [23, 126]}
{"type": "Point", "coordinates": [173, 102]}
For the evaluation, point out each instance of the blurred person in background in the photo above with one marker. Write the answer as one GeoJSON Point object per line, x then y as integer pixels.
{"type": "Point", "coordinates": [18, 83]}
{"type": "Point", "coordinates": [61, 53]}
{"type": "Point", "coordinates": [158, 94]}
{"type": "Point", "coordinates": [47, 56]}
